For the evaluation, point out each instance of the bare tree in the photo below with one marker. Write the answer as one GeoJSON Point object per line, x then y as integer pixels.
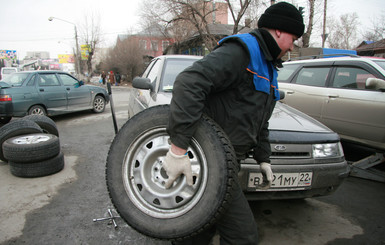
{"type": "Point", "coordinates": [126, 57]}
{"type": "Point", "coordinates": [91, 36]}
{"type": "Point", "coordinates": [377, 31]}
{"type": "Point", "coordinates": [185, 18]}
{"type": "Point", "coordinates": [309, 29]}
{"type": "Point", "coordinates": [343, 33]}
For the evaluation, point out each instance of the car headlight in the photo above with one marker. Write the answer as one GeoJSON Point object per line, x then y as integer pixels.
{"type": "Point", "coordinates": [327, 150]}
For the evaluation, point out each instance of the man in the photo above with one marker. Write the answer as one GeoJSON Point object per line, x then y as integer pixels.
{"type": "Point", "coordinates": [236, 85]}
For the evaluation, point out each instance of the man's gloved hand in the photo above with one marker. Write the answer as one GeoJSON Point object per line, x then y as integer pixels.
{"type": "Point", "coordinates": [267, 176]}
{"type": "Point", "coordinates": [175, 165]}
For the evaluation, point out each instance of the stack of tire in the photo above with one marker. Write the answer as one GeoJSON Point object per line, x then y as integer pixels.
{"type": "Point", "coordinates": [31, 146]}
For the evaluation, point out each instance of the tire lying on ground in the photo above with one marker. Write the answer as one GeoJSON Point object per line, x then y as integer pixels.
{"type": "Point", "coordinates": [45, 123]}
{"type": "Point", "coordinates": [135, 177]}
{"type": "Point", "coordinates": [15, 128]}
{"type": "Point", "coordinates": [38, 169]}
{"type": "Point", "coordinates": [31, 148]}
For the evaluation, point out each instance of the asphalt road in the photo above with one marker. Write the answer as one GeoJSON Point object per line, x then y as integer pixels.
{"type": "Point", "coordinates": [59, 209]}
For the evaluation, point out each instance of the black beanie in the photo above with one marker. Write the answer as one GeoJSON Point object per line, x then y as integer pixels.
{"type": "Point", "coordinates": [283, 16]}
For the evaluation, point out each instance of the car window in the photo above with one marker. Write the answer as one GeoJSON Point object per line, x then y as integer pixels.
{"type": "Point", "coordinates": [68, 80]}
{"type": "Point", "coordinates": [31, 82]}
{"type": "Point", "coordinates": [48, 80]}
{"type": "Point", "coordinates": [380, 63]}
{"type": "Point", "coordinates": [286, 71]}
{"type": "Point", "coordinates": [313, 76]}
{"type": "Point", "coordinates": [172, 68]}
{"type": "Point", "coordinates": [350, 77]}
{"type": "Point", "coordinates": [16, 79]}
{"type": "Point", "coordinates": [154, 71]}
{"type": "Point", "coordinates": [149, 67]}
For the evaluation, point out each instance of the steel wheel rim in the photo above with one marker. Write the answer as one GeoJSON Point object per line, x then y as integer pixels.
{"type": "Point", "coordinates": [143, 176]}
{"type": "Point", "coordinates": [31, 139]}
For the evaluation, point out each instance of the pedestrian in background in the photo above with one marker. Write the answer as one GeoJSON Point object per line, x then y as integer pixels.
{"type": "Point", "coordinates": [117, 79]}
{"type": "Point", "coordinates": [103, 76]}
{"type": "Point", "coordinates": [236, 85]}
{"type": "Point", "coordinates": [111, 78]}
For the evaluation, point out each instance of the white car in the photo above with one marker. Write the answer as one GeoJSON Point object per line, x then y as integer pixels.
{"type": "Point", "coordinates": [347, 94]}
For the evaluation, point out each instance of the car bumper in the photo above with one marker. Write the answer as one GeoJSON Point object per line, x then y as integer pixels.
{"type": "Point", "coordinates": [327, 177]}
{"type": "Point", "coordinates": [6, 109]}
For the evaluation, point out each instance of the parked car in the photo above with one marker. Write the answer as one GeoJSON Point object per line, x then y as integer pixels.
{"type": "Point", "coordinates": [47, 93]}
{"type": "Point", "coordinates": [307, 157]}
{"type": "Point", "coordinates": [347, 94]}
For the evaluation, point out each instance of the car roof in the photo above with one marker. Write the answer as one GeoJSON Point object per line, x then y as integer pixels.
{"type": "Point", "coordinates": [176, 56]}
{"type": "Point", "coordinates": [44, 71]}
{"type": "Point", "coordinates": [307, 59]}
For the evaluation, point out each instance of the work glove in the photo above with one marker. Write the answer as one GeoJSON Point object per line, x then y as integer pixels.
{"type": "Point", "coordinates": [267, 176]}
{"type": "Point", "coordinates": [175, 165]}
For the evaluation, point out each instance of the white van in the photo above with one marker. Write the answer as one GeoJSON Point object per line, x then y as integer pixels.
{"type": "Point", "coordinates": [6, 71]}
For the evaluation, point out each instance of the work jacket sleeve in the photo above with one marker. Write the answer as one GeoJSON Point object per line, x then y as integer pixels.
{"type": "Point", "coordinates": [262, 152]}
{"type": "Point", "coordinates": [214, 73]}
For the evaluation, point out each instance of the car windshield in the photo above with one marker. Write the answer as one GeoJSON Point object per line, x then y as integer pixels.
{"type": "Point", "coordinates": [173, 68]}
{"type": "Point", "coordinates": [16, 79]}
{"type": "Point", "coordinates": [286, 71]}
{"type": "Point", "coordinates": [380, 63]}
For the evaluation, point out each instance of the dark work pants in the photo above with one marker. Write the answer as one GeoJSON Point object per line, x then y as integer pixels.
{"type": "Point", "coordinates": [236, 226]}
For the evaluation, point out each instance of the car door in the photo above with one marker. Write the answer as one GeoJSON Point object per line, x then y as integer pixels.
{"type": "Point", "coordinates": [351, 109]}
{"type": "Point", "coordinates": [307, 91]}
{"type": "Point", "coordinates": [51, 93]}
{"type": "Point", "coordinates": [79, 96]}
{"type": "Point", "coordinates": [143, 97]}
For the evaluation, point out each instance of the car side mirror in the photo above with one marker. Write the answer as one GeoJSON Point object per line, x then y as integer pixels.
{"type": "Point", "coordinates": [376, 84]}
{"type": "Point", "coordinates": [142, 83]}
{"type": "Point", "coordinates": [81, 83]}
{"type": "Point", "coordinates": [281, 94]}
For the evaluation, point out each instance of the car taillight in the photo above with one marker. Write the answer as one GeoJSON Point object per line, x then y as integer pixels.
{"type": "Point", "coordinates": [5, 97]}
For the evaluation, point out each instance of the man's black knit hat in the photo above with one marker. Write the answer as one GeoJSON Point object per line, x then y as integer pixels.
{"type": "Point", "coordinates": [283, 16]}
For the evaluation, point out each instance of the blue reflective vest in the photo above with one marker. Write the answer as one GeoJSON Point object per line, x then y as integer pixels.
{"type": "Point", "coordinates": [258, 65]}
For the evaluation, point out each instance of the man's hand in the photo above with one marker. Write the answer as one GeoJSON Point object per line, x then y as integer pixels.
{"type": "Point", "coordinates": [175, 165]}
{"type": "Point", "coordinates": [267, 176]}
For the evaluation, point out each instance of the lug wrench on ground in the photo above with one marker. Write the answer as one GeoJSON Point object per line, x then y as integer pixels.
{"type": "Point", "coordinates": [112, 217]}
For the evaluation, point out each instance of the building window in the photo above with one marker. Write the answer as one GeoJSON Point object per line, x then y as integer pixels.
{"type": "Point", "coordinates": [154, 45]}
{"type": "Point", "coordinates": [143, 44]}
{"type": "Point", "coordinates": [165, 44]}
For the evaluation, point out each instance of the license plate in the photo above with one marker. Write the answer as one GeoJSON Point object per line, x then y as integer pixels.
{"type": "Point", "coordinates": [283, 180]}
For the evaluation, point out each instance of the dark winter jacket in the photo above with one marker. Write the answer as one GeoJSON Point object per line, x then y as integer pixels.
{"type": "Point", "coordinates": [221, 86]}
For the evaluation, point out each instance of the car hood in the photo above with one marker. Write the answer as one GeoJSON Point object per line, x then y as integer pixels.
{"type": "Point", "coordinates": [284, 118]}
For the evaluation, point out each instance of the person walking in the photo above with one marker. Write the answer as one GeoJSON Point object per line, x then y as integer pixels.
{"type": "Point", "coordinates": [111, 78]}
{"type": "Point", "coordinates": [117, 79]}
{"type": "Point", "coordinates": [236, 85]}
{"type": "Point", "coordinates": [103, 76]}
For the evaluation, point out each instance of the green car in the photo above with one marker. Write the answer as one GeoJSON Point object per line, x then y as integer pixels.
{"type": "Point", "coordinates": [47, 93]}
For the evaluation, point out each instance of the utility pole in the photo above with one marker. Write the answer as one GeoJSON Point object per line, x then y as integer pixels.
{"type": "Point", "coordinates": [324, 25]}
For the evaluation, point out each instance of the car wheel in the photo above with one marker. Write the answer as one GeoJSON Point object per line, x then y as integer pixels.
{"type": "Point", "coordinates": [99, 104]}
{"type": "Point", "coordinates": [45, 123]}
{"type": "Point", "coordinates": [15, 128]}
{"type": "Point", "coordinates": [4, 120]}
{"type": "Point", "coordinates": [31, 148]}
{"type": "Point", "coordinates": [135, 177]}
{"type": "Point", "coordinates": [37, 110]}
{"type": "Point", "coordinates": [38, 169]}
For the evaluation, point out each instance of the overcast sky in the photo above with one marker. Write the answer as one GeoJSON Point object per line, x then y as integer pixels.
{"type": "Point", "coordinates": [24, 24]}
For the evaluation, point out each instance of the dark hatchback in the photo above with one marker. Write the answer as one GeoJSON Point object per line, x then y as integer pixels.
{"type": "Point", "coordinates": [47, 93]}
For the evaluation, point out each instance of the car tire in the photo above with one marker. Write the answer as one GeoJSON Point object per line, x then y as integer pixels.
{"type": "Point", "coordinates": [38, 169]}
{"type": "Point", "coordinates": [4, 120]}
{"type": "Point", "coordinates": [135, 177]}
{"type": "Point", "coordinates": [37, 110]}
{"type": "Point", "coordinates": [31, 148]}
{"type": "Point", "coordinates": [99, 104]}
{"type": "Point", "coordinates": [45, 123]}
{"type": "Point", "coordinates": [16, 128]}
